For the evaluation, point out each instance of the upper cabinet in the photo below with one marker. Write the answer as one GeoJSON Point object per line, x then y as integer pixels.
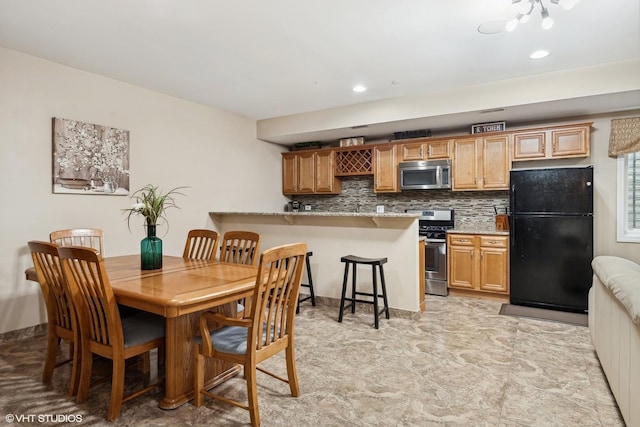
{"type": "Point", "coordinates": [354, 161]}
{"type": "Point", "coordinates": [481, 163]}
{"type": "Point", "coordinates": [309, 172]}
{"type": "Point", "coordinates": [385, 169]}
{"type": "Point", "coordinates": [425, 149]}
{"type": "Point", "coordinates": [552, 143]}
{"type": "Point", "coordinates": [478, 162]}
{"type": "Point", "coordinates": [326, 182]}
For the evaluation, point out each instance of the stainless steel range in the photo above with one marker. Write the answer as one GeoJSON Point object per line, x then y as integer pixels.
{"type": "Point", "coordinates": [434, 224]}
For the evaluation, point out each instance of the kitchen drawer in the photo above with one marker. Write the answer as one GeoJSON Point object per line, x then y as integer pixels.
{"type": "Point", "coordinates": [494, 241]}
{"type": "Point", "coordinates": [461, 239]}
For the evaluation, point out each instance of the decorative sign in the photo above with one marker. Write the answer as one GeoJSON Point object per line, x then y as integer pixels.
{"type": "Point", "coordinates": [488, 127]}
{"type": "Point", "coordinates": [349, 142]}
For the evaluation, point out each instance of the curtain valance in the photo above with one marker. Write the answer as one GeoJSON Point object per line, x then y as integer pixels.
{"type": "Point", "coordinates": [625, 136]}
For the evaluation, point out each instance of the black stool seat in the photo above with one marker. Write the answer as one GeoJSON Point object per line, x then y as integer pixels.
{"type": "Point", "coordinates": [373, 262]}
{"type": "Point", "coordinates": [361, 260]}
{"type": "Point", "coordinates": [309, 284]}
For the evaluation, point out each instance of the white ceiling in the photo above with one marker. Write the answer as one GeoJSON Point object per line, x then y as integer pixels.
{"type": "Point", "coordinates": [269, 58]}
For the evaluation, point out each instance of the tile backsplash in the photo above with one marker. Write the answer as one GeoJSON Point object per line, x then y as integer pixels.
{"type": "Point", "coordinates": [471, 208]}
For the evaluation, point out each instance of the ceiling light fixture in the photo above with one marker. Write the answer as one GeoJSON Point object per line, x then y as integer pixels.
{"type": "Point", "coordinates": [539, 54]}
{"type": "Point", "coordinates": [359, 88]}
{"type": "Point", "coordinates": [526, 8]}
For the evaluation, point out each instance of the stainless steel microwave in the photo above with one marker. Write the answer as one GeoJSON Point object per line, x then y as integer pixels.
{"type": "Point", "coordinates": [425, 175]}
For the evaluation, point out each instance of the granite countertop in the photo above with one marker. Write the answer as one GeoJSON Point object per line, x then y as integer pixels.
{"type": "Point", "coordinates": [326, 214]}
{"type": "Point", "coordinates": [477, 229]}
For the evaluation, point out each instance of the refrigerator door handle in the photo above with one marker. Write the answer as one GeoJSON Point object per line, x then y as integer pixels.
{"type": "Point", "coordinates": [513, 199]}
{"type": "Point", "coordinates": [512, 238]}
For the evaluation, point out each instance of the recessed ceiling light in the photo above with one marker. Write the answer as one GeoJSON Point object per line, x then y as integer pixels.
{"type": "Point", "coordinates": [359, 88]}
{"type": "Point", "coordinates": [539, 54]}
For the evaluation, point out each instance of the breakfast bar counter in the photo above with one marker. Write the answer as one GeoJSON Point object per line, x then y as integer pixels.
{"type": "Point", "coordinates": [332, 235]}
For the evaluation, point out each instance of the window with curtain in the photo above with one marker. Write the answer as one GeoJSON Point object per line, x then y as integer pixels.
{"type": "Point", "coordinates": [624, 144]}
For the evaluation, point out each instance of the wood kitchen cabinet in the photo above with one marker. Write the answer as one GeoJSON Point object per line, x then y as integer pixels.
{"type": "Point", "coordinates": [481, 163]}
{"type": "Point", "coordinates": [478, 262]}
{"type": "Point", "coordinates": [326, 182]}
{"type": "Point", "coordinates": [298, 173]}
{"type": "Point", "coordinates": [424, 149]}
{"type": "Point", "coordinates": [552, 143]}
{"type": "Point", "coordinates": [385, 169]}
{"type": "Point", "coordinates": [309, 172]}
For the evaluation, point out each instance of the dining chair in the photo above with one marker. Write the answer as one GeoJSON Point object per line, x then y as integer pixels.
{"type": "Point", "coordinates": [240, 247]}
{"type": "Point", "coordinates": [267, 330]}
{"type": "Point", "coordinates": [102, 330]}
{"type": "Point", "coordinates": [87, 237]}
{"type": "Point", "coordinates": [61, 317]}
{"type": "Point", "coordinates": [201, 245]}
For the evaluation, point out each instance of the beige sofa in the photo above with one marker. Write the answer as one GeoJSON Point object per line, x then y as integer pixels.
{"type": "Point", "coordinates": [614, 324]}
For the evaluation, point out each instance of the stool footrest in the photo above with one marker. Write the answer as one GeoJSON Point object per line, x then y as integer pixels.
{"type": "Point", "coordinates": [363, 301]}
{"type": "Point", "coordinates": [305, 299]}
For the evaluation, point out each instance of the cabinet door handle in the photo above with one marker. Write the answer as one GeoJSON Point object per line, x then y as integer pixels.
{"type": "Point", "coordinates": [493, 242]}
{"type": "Point", "coordinates": [543, 146]}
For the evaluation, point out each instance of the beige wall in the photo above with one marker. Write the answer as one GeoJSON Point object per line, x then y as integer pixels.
{"type": "Point", "coordinates": [173, 143]}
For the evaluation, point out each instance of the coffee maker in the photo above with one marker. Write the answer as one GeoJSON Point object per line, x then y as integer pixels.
{"type": "Point", "coordinates": [293, 206]}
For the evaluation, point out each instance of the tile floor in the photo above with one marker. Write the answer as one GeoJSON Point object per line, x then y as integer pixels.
{"type": "Point", "coordinates": [460, 364]}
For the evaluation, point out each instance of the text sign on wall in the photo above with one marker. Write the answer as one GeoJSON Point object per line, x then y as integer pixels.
{"type": "Point", "coordinates": [488, 127]}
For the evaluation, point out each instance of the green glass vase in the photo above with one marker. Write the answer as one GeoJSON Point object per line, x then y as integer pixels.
{"type": "Point", "coordinates": [151, 250]}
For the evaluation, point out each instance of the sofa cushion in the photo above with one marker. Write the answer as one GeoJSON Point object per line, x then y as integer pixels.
{"type": "Point", "coordinates": [622, 277]}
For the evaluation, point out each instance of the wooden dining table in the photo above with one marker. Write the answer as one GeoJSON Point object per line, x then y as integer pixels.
{"type": "Point", "coordinates": [180, 291]}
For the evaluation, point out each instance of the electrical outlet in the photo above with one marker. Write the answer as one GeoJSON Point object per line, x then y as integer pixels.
{"type": "Point", "coordinates": [307, 207]}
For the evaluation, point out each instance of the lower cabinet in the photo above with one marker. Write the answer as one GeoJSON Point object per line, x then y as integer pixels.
{"type": "Point", "coordinates": [478, 262]}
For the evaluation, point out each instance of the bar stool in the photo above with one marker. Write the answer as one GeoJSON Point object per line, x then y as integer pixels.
{"type": "Point", "coordinates": [373, 262]}
{"type": "Point", "coordinates": [312, 295]}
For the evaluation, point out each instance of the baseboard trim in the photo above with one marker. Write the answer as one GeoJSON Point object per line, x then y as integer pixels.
{"type": "Point", "coordinates": [20, 334]}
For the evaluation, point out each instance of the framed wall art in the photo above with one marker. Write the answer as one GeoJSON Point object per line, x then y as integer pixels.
{"type": "Point", "coordinates": [89, 159]}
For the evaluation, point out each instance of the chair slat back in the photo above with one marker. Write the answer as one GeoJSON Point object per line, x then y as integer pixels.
{"type": "Point", "coordinates": [87, 237]}
{"type": "Point", "coordinates": [240, 247]}
{"type": "Point", "coordinates": [276, 293]}
{"type": "Point", "coordinates": [92, 295]}
{"type": "Point", "coordinates": [54, 288]}
{"type": "Point", "coordinates": [201, 245]}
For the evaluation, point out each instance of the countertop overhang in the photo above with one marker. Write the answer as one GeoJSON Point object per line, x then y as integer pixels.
{"type": "Point", "coordinates": [291, 217]}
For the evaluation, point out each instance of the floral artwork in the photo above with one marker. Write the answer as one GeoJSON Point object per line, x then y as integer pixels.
{"type": "Point", "coordinates": [89, 159]}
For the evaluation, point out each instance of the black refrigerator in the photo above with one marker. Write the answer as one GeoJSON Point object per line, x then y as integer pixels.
{"type": "Point", "coordinates": [551, 229]}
